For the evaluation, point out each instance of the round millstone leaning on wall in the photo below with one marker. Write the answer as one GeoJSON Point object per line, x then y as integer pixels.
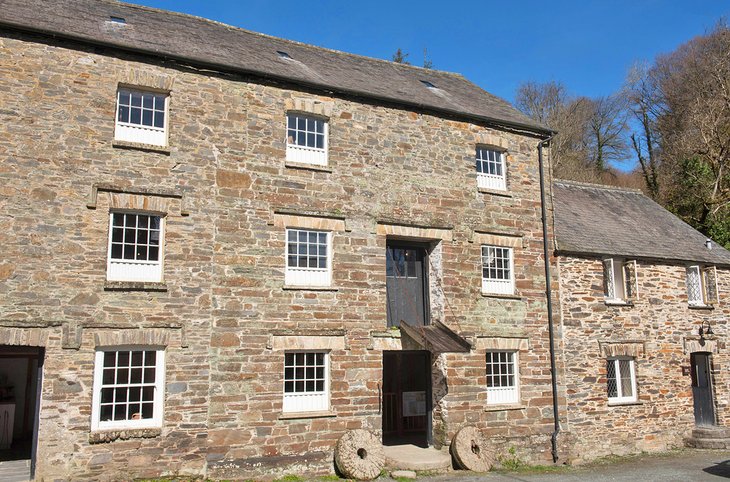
{"type": "Point", "coordinates": [472, 450]}
{"type": "Point", "coordinates": [359, 455]}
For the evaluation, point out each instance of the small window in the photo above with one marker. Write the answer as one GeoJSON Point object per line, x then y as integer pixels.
{"type": "Point", "coordinates": [306, 139]}
{"type": "Point", "coordinates": [502, 378]}
{"type": "Point", "coordinates": [306, 382]}
{"type": "Point", "coordinates": [619, 280]}
{"type": "Point", "coordinates": [308, 258]}
{"type": "Point", "coordinates": [141, 117]}
{"type": "Point", "coordinates": [621, 379]}
{"type": "Point", "coordinates": [497, 271]}
{"type": "Point", "coordinates": [491, 169]}
{"type": "Point", "coordinates": [128, 388]}
{"type": "Point", "coordinates": [702, 285]}
{"type": "Point", "coordinates": [135, 247]}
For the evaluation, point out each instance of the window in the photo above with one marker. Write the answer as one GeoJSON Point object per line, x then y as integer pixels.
{"type": "Point", "coordinates": [135, 247]}
{"type": "Point", "coordinates": [141, 117]}
{"type": "Point", "coordinates": [491, 169]}
{"type": "Point", "coordinates": [306, 382]}
{"type": "Point", "coordinates": [497, 274]}
{"type": "Point", "coordinates": [621, 379]}
{"type": "Point", "coordinates": [306, 140]}
{"type": "Point", "coordinates": [619, 280]}
{"type": "Point", "coordinates": [128, 388]}
{"type": "Point", "coordinates": [308, 258]}
{"type": "Point", "coordinates": [502, 378]}
{"type": "Point", "coordinates": [702, 285]}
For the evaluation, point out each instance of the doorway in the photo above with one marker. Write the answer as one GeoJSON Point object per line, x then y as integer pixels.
{"type": "Point", "coordinates": [407, 398]}
{"type": "Point", "coordinates": [704, 406]}
{"type": "Point", "coordinates": [407, 283]}
{"type": "Point", "coordinates": [21, 369]}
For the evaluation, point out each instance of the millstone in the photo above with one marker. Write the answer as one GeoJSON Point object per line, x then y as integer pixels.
{"type": "Point", "coordinates": [472, 450]}
{"type": "Point", "coordinates": [359, 455]}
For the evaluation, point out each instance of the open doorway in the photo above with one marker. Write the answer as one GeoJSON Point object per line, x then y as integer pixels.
{"type": "Point", "coordinates": [21, 370]}
{"type": "Point", "coordinates": [407, 398]}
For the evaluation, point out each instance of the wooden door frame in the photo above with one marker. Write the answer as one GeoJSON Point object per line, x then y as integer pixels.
{"type": "Point", "coordinates": [425, 246]}
{"type": "Point", "coordinates": [710, 385]}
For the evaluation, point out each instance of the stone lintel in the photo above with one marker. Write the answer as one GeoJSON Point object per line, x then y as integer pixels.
{"type": "Point", "coordinates": [122, 197]}
{"type": "Point", "coordinates": [502, 343]}
{"type": "Point", "coordinates": [319, 221]}
{"type": "Point", "coordinates": [136, 77]}
{"type": "Point", "coordinates": [307, 342]}
{"type": "Point", "coordinates": [498, 239]}
{"type": "Point", "coordinates": [632, 348]}
{"type": "Point", "coordinates": [151, 337]}
{"type": "Point", "coordinates": [310, 106]}
{"type": "Point", "coordinates": [418, 232]}
{"type": "Point", "coordinates": [695, 344]}
{"type": "Point", "coordinates": [486, 139]}
{"type": "Point", "coordinates": [24, 336]}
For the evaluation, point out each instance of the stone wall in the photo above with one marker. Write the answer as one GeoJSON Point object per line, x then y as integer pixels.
{"type": "Point", "coordinates": [661, 330]}
{"type": "Point", "coordinates": [223, 312]}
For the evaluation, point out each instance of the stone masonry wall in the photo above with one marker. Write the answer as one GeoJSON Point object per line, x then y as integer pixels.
{"type": "Point", "coordinates": [663, 328]}
{"type": "Point", "coordinates": [224, 312]}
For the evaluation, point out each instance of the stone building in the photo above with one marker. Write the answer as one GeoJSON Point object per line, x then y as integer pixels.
{"type": "Point", "coordinates": [211, 238]}
{"type": "Point", "coordinates": [644, 312]}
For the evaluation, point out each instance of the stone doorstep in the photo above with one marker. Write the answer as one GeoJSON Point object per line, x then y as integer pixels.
{"type": "Point", "coordinates": [711, 433]}
{"type": "Point", "coordinates": [414, 458]}
{"type": "Point", "coordinates": [708, 443]}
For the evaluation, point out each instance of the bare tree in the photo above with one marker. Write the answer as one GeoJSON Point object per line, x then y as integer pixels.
{"type": "Point", "coordinates": [606, 130]}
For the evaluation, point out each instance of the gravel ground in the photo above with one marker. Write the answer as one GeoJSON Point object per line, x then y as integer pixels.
{"type": "Point", "coordinates": [683, 465]}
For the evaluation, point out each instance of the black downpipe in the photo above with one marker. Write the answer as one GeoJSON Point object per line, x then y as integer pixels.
{"type": "Point", "coordinates": [548, 294]}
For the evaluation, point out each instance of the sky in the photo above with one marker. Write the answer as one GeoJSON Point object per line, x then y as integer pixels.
{"type": "Point", "coordinates": [587, 45]}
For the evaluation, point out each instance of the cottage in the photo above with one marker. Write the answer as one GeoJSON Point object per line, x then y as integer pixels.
{"type": "Point", "coordinates": [222, 250]}
{"type": "Point", "coordinates": [644, 314]}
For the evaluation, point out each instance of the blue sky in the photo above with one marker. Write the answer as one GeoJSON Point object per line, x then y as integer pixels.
{"type": "Point", "coordinates": [588, 45]}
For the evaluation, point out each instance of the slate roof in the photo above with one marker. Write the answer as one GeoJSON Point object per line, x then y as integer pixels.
{"type": "Point", "coordinates": [203, 42]}
{"type": "Point", "coordinates": [603, 220]}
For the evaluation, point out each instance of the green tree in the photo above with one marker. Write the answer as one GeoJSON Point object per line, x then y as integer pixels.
{"type": "Point", "coordinates": [400, 57]}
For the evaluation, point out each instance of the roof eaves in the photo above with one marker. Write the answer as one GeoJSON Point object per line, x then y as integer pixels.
{"type": "Point", "coordinates": [665, 259]}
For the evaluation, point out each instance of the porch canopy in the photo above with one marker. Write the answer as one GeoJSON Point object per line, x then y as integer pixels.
{"type": "Point", "coordinates": [436, 338]}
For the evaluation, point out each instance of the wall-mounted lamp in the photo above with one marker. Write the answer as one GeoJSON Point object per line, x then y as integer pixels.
{"type": "Point", "coordinates": [705, 331]}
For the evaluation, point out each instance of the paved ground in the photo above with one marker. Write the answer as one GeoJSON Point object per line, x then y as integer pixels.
{"type": "Point", "coordinates": [14, 470]}
{"type": "Point", "coordinates": [684, 465]}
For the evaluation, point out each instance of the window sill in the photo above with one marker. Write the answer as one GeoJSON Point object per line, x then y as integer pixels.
{"type": "Point", "coordinates": [106, 436]}
{"type": "Point", "coordinates": [502, 296]}
{"type": "Point", "coordinates": [701, 307]}
{"type": "Point", "coordinates": [299, 415]}
{"type": "Point", "coordinates": [140, 146]}
{"type": "Point", "coordinates": [618, 303]}
{"type": "Point", "coordinates": [500, 408]}
{"type": "Point", "coordinates": [134, 286]}
{"type": "Point", "coordinates": [495, 192]}
{"type": "Point", "coordinates": [309, 288]}
{"type": "Point", "coordinates": [307, 167]}
{"type": "Point", "coordinates": [625, 404]}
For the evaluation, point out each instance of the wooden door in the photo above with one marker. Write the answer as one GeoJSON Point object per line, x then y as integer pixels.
{"type": "Point", "coordinates": [406, 284]}
{"type": "Point", "coordinates": [704, 406]}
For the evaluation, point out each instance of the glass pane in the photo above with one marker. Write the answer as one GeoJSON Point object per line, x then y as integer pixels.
{"type": "Point", "coordinates": [319, 126]}
{"type": "Point", "coordinates": [150, 358]}
{"type": "Point", "coordinates": [106, 413]}
{"type": "Point", "coordinates": [123, 115]}
{"type": "Point", "coordinates": [147, 410]}
{"type": "Point", "coordinates": [320, 385]}
{"type": "Point", "coordinates": [149, 375]}
{"type": "Point", "coordinates": [120, 412]}
{"type": "Point", "coordinates": [120, 394]}
{"type": "Point", "coordinates": [299, 386]}
{"type": "Point", "coordinates": [322, 263]}
{"type": "Point", "coordinates": [289, 359]}
{"type": "Point", "coordinates": [302, 236]}
{"type": "Point", "coordinates": [123, 359]}
{"type": "Point", "coordinates": [129, 251]}
{"type": "Point", "coordinates": [116, 251]}
{"type": "Point", "coordinates": [135, 116]}
{"type": "Point", "coordinates": [147, 117]}
{"type": "Point", "coordinates": [123, 98]}
{"type": "Point", "coordinates": [148, 394]}
{"type": "Point", "coordinates": [310, 140]}
{"type": "Point", "coordinates": [133, 412]}
{"type": "Point", "coordinates": [107, 395]}
{"type": "Point", "coordinates": [122, 375]}
{"type": "Point", "coordinates": [160, 119]}
{"type": "Point", "coordinates": [289, 387]}
{"type": "Point", "coordinates": [136, 375]}
{"type": "Point", "coordinates": [108, 376]}
{"type": "Point", "coordinates": [611, 379]}
{"type": "Point", "coordinates": [135, 394]}
{"type": "Point", "coordinates": [148, 101]}
{"type": "Point", "coordinates": [136, 99]}
{"type": "Point", "coordinates": [154, 254]}
{"type": "Point", "coordinates": [142, 236]}
{"type": "Point", "coordinates": [141, 253]}
{"type": "Point", "coordinates": [160, 102]}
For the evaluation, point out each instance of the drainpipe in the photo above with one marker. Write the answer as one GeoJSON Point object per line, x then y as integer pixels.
{"type": "Point", "coordinates": [548, 294]}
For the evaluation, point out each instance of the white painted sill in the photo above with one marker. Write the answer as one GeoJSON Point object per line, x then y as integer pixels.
{"type": "Point", "coordinates": [500, 408]}
{"type": "Point", "coordinates": [625, 404]}
{"type": "Point", "coordinates": [300, 415]}
{"type": "Point", "coordinates": [307, 167]}
{"type": "Point", "coordinates": [501, 296]}
{"type": "Point", "coordinates": [617, 302]}
{"type": "Point", "coordinates": [309, 288]}
{"type": "Point", "coordinates": [701, 307]}
{"type": "Point", "coordinates": [141, 146]}
{"type": "Point", "coordinates": [495, 192]}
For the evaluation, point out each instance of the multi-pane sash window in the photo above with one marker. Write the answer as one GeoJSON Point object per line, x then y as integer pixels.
{"type": "Point", "coordinates": [307, 258]}
{"type": "Point", "coordinates": [497, 270]}
{"type": "Point", "coordinates": [135, 242]}
{"type": "Point", "coordinates": [621, 379]}
{"type": "Point", "coordinates": [128, 388]}
{"type": "Point", "coordinates": [502, 378]}
{"type": "Point", "coordinates": [702, 285]}
{"type": "Point", "coordinates": [306, 382]}
{"type": "Point", "coordinates": [306, 139]}
{"type": "Point", "coordinates": [490, 169]}
{"type": "Point", "coordinates": [141, 117]}
{"type": "Point", "coordinates": [619, 280]}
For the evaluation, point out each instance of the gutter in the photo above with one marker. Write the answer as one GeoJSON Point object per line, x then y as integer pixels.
{"type": "Point", "coordinates": [548, 294]}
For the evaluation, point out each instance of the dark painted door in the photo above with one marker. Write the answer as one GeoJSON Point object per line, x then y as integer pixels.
{"type": "Point", "coordinates": [406, 397]}
{"type": "Point", "coordinates": [702, 389]}
{"type": "Point", "coordinates": [405, 270]}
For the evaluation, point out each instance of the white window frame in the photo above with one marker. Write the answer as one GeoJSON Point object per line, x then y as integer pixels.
{"type": "Point", "coordinates": [306, 276]}
{"type": "Point", "coordinates": [486, 180]}
{"type": "Point", "coordinates": [498, 285]}
{"type": "Point", "coordinates": [141, 133]}
{"type": "Point", "coordinates": [159, 390]}
{"type": "Point", "coordinates": [135, 270]}
{"type": "Point", "coordinates": [307, 401]}
{"type": "Point", "coordinates": [305, 154]}
{"type": "Point", "coordinates": [620, 397]}
{"type": "Point", "coordinates": [701, 275]}
{"type": "Point", "coordinates": [507, 395]}
{"type": "Point", "coordinates": [617, 283]}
